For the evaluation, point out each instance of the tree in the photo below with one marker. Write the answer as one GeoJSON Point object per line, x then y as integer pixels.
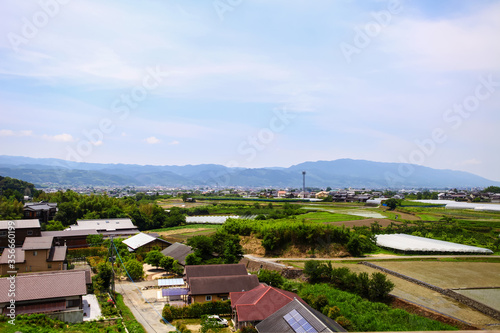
{"type": "Point", "coordinates": [380, 287]}
{"type": "Point", "coordinates": [167, 263]}
{"type": "Point", "coordinates": [354, 246]}
{"type": "Point", "coordinates": [154, 258]}
{"type": "Point", "coordinates": [54, 226]}
{"type": "Point", "coordinates": [272, 278]}
{"type": "Point", "coordinates": [104, 274]}
{"type": "Point", "coordinates": [313, 270]}
{"type": "Point", "coordinates": [193, 259]}
{"type": "Point", "coordinates": [134, 269]}
{"type": "Point", "coordinates": [95, 240]}
{"type": "Point", "coordinates": [392, 203]}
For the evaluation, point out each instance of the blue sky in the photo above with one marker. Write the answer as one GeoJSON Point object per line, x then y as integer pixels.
{"type": "Point", "coordinates": [252, 83]}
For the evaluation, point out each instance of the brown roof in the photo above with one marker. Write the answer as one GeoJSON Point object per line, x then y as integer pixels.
{"type": "Point", "coordinates": [44, 286]}
{"type": "Point", "coordinates": [261, 302]}
{"type": "Point", "coordinates": [88, 279]}
{"type": "Point", "coordinates": [19, 255]}
{"type": "Point", "coordinates": [222, 284]}
{"type": "Point", "coordinates": [215, 270]}
{"type": "Point", "coordinates": [58, 253]}
{"type": "Point", "coordinates": [38, 243]}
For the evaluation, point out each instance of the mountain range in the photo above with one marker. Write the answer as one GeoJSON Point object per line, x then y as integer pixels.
{"type": "Point", "coordinates": [339, 173]}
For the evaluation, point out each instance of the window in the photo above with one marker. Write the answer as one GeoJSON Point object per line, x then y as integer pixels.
{"type": "Point", "coordinates": [49, 265]}
{"type": "Point", "coordinates": [35, 253]}
{"type": "Point", "coordinates": [208, 298]}
{"type": "Point", "coordinates": [73, 303]}
{"type": "Point", "coordinates": [30, 232]}
{"type": "Point", "coordinates": [3, 233]}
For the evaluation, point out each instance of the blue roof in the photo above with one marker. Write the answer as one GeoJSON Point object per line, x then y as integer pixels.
{"type": "Point", "coordinates": [174, 292]}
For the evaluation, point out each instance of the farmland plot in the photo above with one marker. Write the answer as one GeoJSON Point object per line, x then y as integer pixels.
{"type": "Point", "coordinates": [427, 298]}
{"type": "Point", "coordinates": [489, 297]}
{"type": "Point", "coordinates": [449, 275]}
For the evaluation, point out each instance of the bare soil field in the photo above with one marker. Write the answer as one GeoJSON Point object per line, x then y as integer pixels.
{"type": "Point", "coordinates": [427, 298]}
{"type": "Point", "coordinates": [180, 235]}
{"type": "Point", "coordinates": [489, 297]}
{"type": "Point", "coordinates": [451, 275]}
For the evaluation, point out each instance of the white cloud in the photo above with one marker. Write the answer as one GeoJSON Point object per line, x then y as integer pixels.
{"type": "Point", "coordinates": [59, 137]}
{"type": "Point", "coordinates": [6, 132]}
{"type": "Point", "coordinates": [173, 143]}
{"type": "Point", "coordinates": [152, 140]}
{"type": "Point", "coordinates": [472, 161]}
{"type": "Point", "coordinates": [97, 143]}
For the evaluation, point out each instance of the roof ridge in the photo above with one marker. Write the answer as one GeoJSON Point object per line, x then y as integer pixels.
{"type": "Point", "coordinates": [256, 301]}
{"type": "Point", "coordinates": [278, 290]}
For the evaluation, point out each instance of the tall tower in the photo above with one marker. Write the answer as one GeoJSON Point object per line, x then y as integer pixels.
{"type": "Point", "coordinates": [304, 184]}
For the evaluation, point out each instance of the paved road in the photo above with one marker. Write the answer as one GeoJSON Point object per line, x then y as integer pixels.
{"type": "Point", "coordinates": [148, 314]}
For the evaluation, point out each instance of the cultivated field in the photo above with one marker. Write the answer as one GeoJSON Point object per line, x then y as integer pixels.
{"type": "Point", "coordinates": [490, 297]}
{"type": "Point", "coordinates": [451, 275]}
{"type": "Point", "coordinates": [425, 297]}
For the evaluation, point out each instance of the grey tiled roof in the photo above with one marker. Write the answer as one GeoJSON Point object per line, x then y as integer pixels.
{"type": "Point", "coordinates": [276, 322]}
{"type": "Point", "coordinates": [20, 224]}
{"type": "Point", "coordinates": [178, 251]}
{"type": "Point", "coordinates": [58, 253]}
{"type": "Point", "coordinates": [38, 243]}
{"type": "Point", "coordinates": [215, 270]}
{"type": "Point", "coordinates": [43, 286]}
{"type": "Point", "coordinates": [19, 255]}
{"type": "Point", "coordinates": [222, 284]}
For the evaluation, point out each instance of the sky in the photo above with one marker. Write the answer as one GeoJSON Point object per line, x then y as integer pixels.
{"type": "Point", "coordinates": [252, 83]}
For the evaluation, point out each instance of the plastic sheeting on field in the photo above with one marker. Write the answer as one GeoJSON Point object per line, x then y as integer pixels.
{"type": "Point", "coordinates": [411, 243]}
{"type": "Point", "coordinates": [209, 219]}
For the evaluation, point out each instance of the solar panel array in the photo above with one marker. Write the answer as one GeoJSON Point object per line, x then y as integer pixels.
{"type": "Point", "coordinates": [298, 323]}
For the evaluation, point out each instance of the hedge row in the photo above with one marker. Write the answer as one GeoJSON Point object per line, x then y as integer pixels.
{"type": "Point", "coordinates": [196, 310]}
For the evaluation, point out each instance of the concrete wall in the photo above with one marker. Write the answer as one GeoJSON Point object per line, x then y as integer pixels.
{"type": "Point", "coordinates": [70, 316]}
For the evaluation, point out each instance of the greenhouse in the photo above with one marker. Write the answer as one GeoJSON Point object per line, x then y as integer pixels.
{"type": "Point", "coordinates": [409, 243]}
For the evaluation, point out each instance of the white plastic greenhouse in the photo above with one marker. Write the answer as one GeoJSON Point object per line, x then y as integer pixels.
{"type": "Point", "coordinates": [209, 219]}
{"type": "Point", "coordinates": [409, 243]}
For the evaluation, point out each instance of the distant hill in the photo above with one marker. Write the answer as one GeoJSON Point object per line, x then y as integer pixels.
{"type": "Point", "coordinates": [11, 186]}
{"type": "Point", "coordinates": [338, 173]}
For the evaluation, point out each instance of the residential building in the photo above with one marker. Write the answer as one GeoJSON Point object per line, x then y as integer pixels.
{"type": "Point", "coordinates": [145, 242]}
{"type": "Point", "coordinates": [21, 230]}
{"type": "Point", "coordinates": [179, 252]}
{"type": "Point", "coordinates": [37, 254]}
{"type": "Point", "coordinates": [215, 282]}
{"type": "Point", "coordinates": [42, 211]}
{"type": "Point", "coordinates": [298, 317]}
{"type": "Point", "coordinates": [120, 227]}
{"type": "Point", "coordinates": [252, 307]}
{"type": "Point", "coordinates": [72, 238]}
{"type": "Point", "coordinates": [58, 294]}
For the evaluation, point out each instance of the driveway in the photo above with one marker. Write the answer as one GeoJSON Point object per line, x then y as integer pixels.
{"type": "Point", "coordinates": [146, 313]}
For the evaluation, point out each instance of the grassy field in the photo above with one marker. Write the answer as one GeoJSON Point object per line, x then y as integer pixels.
{"type": "Point", "coordinates": [325, 217]}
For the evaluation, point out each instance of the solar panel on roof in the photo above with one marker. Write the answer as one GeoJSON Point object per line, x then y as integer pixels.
{"type": "Point", "coordinates": [298, 323]}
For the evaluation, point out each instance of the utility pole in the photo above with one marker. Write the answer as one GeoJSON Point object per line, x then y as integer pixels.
{"type": "Point", "coordinates": [304, 184]}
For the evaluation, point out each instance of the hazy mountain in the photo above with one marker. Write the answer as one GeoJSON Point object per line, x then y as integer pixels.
{"type": "Point", "coordinates": [338, 173]}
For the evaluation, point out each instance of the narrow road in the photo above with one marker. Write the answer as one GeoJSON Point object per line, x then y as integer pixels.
{"type": "Point", "coordinates": [146, 313]}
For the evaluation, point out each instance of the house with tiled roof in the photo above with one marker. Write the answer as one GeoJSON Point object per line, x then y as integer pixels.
{"type": "Point", "coordinates": [145, 242]}
{"type": "Point", "coordinates": [58, 294]}
{"type": "Point", "coordinates": [42, 211]}
{"type": "Point", "coordinates": [179, 252]}
{"type": "Point", "coordinates": [252, 307]}
{"type": "Point", "coordinates": [215, 282]}
{"type": "Point", "coordinates": [36, 254]}
{"type": "Point", "coordinates": [297, 317]}
{"type": "Point", "coordinates": [20, 229]}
